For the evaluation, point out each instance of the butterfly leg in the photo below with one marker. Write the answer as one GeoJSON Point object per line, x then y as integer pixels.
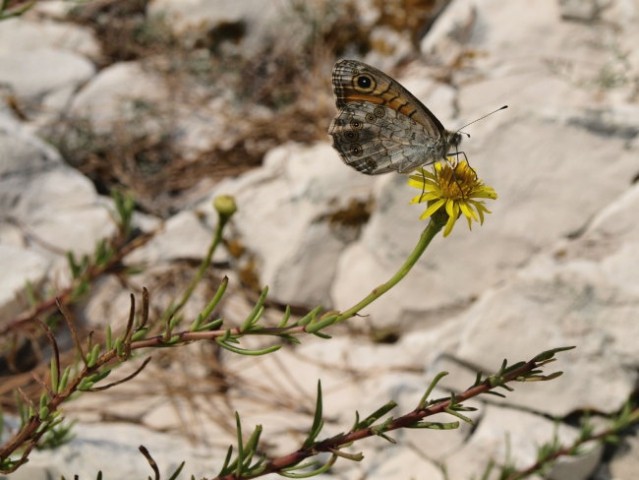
{"type": "Point", "coordinates": [421, 197]}
{"type": "Point", "coordinates": [453, 158]}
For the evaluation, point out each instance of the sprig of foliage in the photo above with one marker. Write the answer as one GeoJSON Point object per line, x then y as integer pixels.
{"type": "Point", "coordinates": [98, 360]}
{"type": "Point", "coordinates": [295, 464]}
{"type": "Point", "coordinates": [106, 259]}
{"type": "Point", "coordinates": [552, 450]}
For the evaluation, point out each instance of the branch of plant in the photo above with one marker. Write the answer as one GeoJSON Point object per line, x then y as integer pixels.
{"type": "Point", "coordinates": [433, 227]}
{"type": "Point", "coordinates": [374, 426]}
{"type": "Point", "coordinates": [67, 295]}
{"type": "Point", "coordinates": [98, 365]}
{"type": "Point", "coordinates": [627, 418]}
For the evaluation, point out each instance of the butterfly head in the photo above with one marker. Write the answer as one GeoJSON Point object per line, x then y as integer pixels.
{"type": "Point", "coordinates": [455, 139]}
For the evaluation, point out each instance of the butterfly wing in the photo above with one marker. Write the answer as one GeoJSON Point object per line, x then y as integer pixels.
{"type": "Point", "coordinates": [381, 126]}
{"type": "Point", "coordinates": [376, 139]}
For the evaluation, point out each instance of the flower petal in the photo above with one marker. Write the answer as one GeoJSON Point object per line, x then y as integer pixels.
{"type": "Point", "coordinates": [432, 208]}
{"type": "Point", "coordinates": [449, 226]}
{"type": "Point", "coordinates": [423, 198]}
{"type": "Point", "coordinates": [467, 210]}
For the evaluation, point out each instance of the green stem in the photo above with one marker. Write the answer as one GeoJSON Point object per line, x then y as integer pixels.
{"type": "Point", "coordinates": [217, 238]}
{"type": "Point", "coordinates": [434, 226]}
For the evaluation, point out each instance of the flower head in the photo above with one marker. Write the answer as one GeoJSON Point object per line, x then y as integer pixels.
{"type": "Point", "coordinates": [455, 188]}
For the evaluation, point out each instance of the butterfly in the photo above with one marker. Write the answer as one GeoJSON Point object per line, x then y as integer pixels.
{"type": "Point", "coordinates": [380, 126]}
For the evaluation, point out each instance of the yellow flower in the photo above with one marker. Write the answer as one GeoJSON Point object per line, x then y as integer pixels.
{"type": "Point", "coordinates": [455, 188]}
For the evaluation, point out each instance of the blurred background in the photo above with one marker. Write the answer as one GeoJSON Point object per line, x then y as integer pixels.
{"type": "Point", "coordinates": [173, 102]}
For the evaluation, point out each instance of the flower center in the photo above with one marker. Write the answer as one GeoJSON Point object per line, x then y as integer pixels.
{"type": "Point", "coordinates": [457, 183]}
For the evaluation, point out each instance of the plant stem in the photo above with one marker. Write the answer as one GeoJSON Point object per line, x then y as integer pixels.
{"type": "Point", "coordinates": [434, 226]}
{"type": "Point", "coordinates": [217, 238]}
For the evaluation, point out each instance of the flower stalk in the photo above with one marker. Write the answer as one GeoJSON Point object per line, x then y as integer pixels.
{"type": "Point", "coordinates": [436, 223]}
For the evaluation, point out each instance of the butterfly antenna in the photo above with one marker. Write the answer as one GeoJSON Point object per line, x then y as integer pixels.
{"type": "Point", "coordinates": [480, 118]}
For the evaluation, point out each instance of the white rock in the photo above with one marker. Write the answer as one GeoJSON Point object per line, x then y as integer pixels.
{"type": "Point", "coordinates": [446, 35]}
{"type": "Point", "coordinates": [44, 62]}
{"type": "Point", "coordinates": [25, 34]}
{"type": "Point", "coordinates": [585, 296]}
{"type": "Point", "coordinates": [389, 47]}
{"type": "Point", "coordinates": [551, 308]}
{"type": "Point", "coordinates": [525, 65]}
{"type": "Point", "coordinates": [625, 464]}
{"type": "Point", "coordinates": [397, 462]}
{"type": "Point", "coordinates": [33, 74]}
{"type": "Point", "coordinates": [183, 236]}
{"type": "Point", "coordinates": [516, 435]}
{"type": "Point", "coordinates": [109, 304]}
{"type": "Point", "coordinates": [21, 268]}
{"type": "Point", "coordinates": [624, 12]}
{"type": "Point", "coordinates": [256, 20]}
{"type": "Point", "coordinates": [94, 448]}
{"type": "Point", "coordinates": [578, 468]}
{"type": "Point", "coordinates": [122, 94]}
{"type": "Point", "coordinates": [21, 152]}
{"type": "Point", "coordinates": [580, 10]}
{"type": "Point", "coordinates": [281, 218]}
{"type": "Point", "coordinates": [217, 125]}
{"type": "Point", "coordinates": [56, 9]}
{"type": "Point", "coordinates": [46, 208]}
{"type": "Point", "coordinates": [61, 206]}
{"type": "Point", "coordinates": [611, 240]}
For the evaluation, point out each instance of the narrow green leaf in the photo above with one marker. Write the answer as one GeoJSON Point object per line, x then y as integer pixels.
{"type": "Point", "coordinates": [176, 474]}
{"type": "Point", "coordinates": [64, 381]}
{"type": "Point", "coordinates": [213, 325]}
{"type": "Point", "coordinates": [54, 370]}
{"type": "Point", "coordinates": [256, 313]}
{"type": "Point", "coordinates": [355, 457]}
{"type": "Point", "coordinates": [85, 384]}
{"type": "Point", "coordinates": [139, 334]}
{"type": "Point", "coordinates": [92, 358]}
{"type": "Point", "coordinates": [318, 422]}
{"type": "Point", "coordinates": [221, 290]}
{"type": "Point", "coordinates": [454, 413]}
{"type": "Point", "coordinates": [315, 327]}
{"type": "Point", "coordinates": [74, 268]}
{"type": "Point", "coordinates": [357, 422]}
{"type": "Point", "coordinates": [549, 354]}
{"type": "Point", "coordinates": [108, 344]}
{"type": "Point", "coordinates": [242, 351]}
{"type": "Point", "coordinates": [285, 317]}
{"type": "Point", "coordinates": [424, 400]}
{"type": "Point", "coordinates": [224, 470]}
{"type": "Point", "coordinates": [43, 411]}
{"type": "Point", "coordinates": [240, 446]}
{"type": "Point", "coordinates": [376, 415]}
{"type": "Point", "coordinates": [309, 317]}
{"type": "Point", "coordinates": [436, 425]}
{"type": "Point", "coordinates": [290, 472]}
{"type": "Point", "coordinates": [119, 347]}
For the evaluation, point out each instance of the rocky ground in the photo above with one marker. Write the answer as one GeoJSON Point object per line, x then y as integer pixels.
{"type": "Point", "coordinates": [181, 103]}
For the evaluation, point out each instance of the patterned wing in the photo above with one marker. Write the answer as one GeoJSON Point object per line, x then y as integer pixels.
{"type": "Point", "coordinates": [355, 81]}
{"type": "Point", "coordinates": [381, 127]}
{"type": "Point", "coordinates": [376, 139]}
